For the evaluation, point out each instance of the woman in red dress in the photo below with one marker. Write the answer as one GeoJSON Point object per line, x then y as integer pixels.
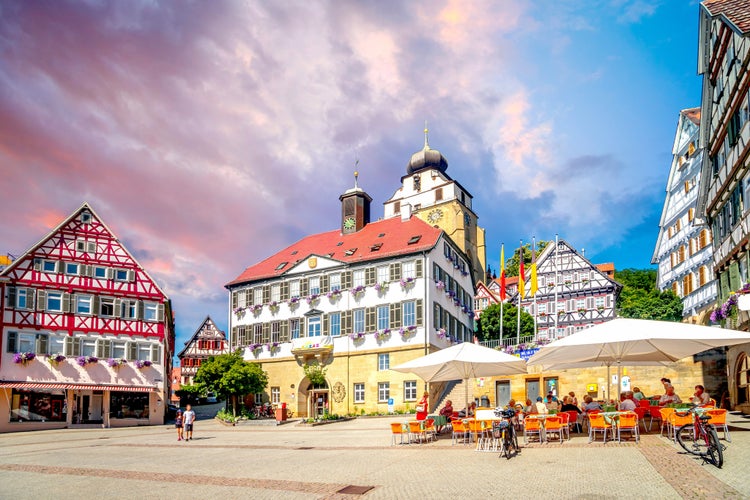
{"type": "Point", "coordinates": [422, 405]}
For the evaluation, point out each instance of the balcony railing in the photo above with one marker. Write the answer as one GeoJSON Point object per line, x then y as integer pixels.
{"type": "Point", "coordinates": [495, 343]}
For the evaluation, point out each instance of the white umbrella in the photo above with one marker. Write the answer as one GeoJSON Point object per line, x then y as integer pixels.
{"type": "Point", "coordinates": [462, 362]}
{"type": "Point", "coordinates": [625, 341]}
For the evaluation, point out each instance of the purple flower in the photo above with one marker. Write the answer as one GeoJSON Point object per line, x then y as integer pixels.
{"type": "Point", "coordinates": [142, 363]}
{"type": "Point", "coordinates": [357, 336]}
{"type": "Point", "coordinates": [357, 290]}
{"type": "Point", "coordinates": [334, 294]}
{"type": "Point", "coordinates": [56, 358]}
{"type": "Point", "coordinates": [116, 362]}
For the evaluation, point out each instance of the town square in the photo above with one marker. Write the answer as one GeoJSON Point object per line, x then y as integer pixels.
{"type": "Point", "coordinates": [386, 250]}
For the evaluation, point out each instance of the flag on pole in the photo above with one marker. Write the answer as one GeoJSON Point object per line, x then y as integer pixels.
{"type": "Point", "coordinates": [532, 278]}
{"type": "Point", "coordinates": [521, 277]}
{"type": "Point", "coordinates": [502, 272]}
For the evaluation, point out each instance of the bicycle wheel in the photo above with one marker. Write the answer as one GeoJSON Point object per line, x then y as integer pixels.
{"type": "Point", "coordinates": [715, 451]}
{"type": "Point", "coordinates": [686, 438]}
{"type": "Point", "coordinates": [506, 443]}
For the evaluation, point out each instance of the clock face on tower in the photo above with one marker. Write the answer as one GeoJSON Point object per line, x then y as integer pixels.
{"type": "Point", "coordinates": [435, 215]}
{"type": "Point", "coordinates": [349, 223]}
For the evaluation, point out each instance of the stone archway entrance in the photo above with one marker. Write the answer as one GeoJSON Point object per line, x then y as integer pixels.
{"type": "Point", "coordinates": [317, 398]}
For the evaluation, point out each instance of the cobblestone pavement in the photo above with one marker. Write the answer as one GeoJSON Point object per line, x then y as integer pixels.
{"type": "Point", "coordinates": [293, 462]}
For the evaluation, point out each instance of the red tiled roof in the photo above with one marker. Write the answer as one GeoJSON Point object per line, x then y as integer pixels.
{"type": "Point", "coordinates": [394, 241]}
{"type": "Point", "coordinates": [607, 266]}
{"type": "Point", "coordinates": [736, 11]}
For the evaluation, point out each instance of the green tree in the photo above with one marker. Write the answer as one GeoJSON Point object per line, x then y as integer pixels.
{"type": "Point", "coordinates": [641, 299]}
{"type": "Point", "coordinates": [230, 376]}
{"type": "Point", "coordinates": [488, 326]}
{"type": "Point", "coordinates": [511, 264]}
{"type": "Point", "coordinates": [190, 392]}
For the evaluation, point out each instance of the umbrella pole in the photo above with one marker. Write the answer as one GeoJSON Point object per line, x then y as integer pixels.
{"type": "Point", "coordinates": [609, 385]}
{"type": "Point", "coordinates": [466, 381]}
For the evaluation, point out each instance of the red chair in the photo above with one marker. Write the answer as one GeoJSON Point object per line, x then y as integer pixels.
{"type": "Point", "coordinates": [644, 403]}
{"type": "Point", "coordinates": [573, 422]}
{"type": "Point", "coordinates": [642, 411]}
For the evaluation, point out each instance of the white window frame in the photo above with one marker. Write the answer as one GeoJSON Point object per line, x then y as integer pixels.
{"type": "Point", "coordinates": [384, 361]}
{"type": "Point", "coordinates": [334, 281]}
{"type": "Point", "coordinates": [314, 285]}
{"type": "Point", "coordinates": [276, 292]}
{"type": "Point", "coordinates": [334, 324]}
{"type": "Point", "coordinates": [23, 294]}
{"type": "Point", "coordinates": [54, 296]}
{"type": "Point", "coordinates": [52, 263]}
{"type": "Point", "coordinates": [409, 313]}
{"type": "Point", "coordinates": [293, 289]}
{"type": "Point", "coordinates": [384, 392]}
{"type": "Point", "coordinates": [128, 309]}
{"type": "Point", "coordinates": [88, 346]}
{"type": "Point", "coordinates": [294, 328]}
{"type": "Point", "coordinates": [96, 271]}
{"type": "Point", "coordinates": [383, 317]}
{"type": "Point", "coordinates": [72, 268]}
{"type": "Point", "coordinates": [85, 246]}
{"type": "Point", "coordinates": [314, 326]}
{"type": "Point", "coordinates": [84, 302]}
{"type": "Point", "coordinates": [359, 393]}
{"type": "Point", "coordinates": [257, 296]}
{"type": "Point", "coordinates": [409, 269]}
{"type": "Point", "coordinates": [383, 273]}
{"type": "Point", "coordinates": [275, 395]}
{"type": "Point", "coordinates": [410, 390]}
{"type": "Point", "coordinates": [358, 278]}
{"type": "Point", "coordinates": [117, 275]}
{"type": "Point", "coordinates": [357, 320]}
{"type": "Point", "coordinates": [119, 349]}
{"type": "Point", "coordinates": [151, 311]}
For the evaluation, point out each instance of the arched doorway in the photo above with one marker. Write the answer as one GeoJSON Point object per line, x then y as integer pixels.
{"type": "Point", "coordinates": [317, 397]}
{"type": "Point", "coordinates": [742, 379]}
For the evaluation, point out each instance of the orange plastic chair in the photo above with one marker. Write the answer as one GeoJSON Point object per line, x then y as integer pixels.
{"type": "Point", "coordinates": [554, 425]}
{"type": "Point", "coordinates": [531, 426]}
{"type": "Point", "coordinates": [719, 420]}
{"type": "Point", "coordinates": [664, 416]}
{"type": "Point", "coordinates": [429, 429]}
{"type": "Point", "coordinates": [628, 422]}
{"type": "Point", "coordinates": [476, 431]}
{"type": "Point", "coordinates": [416, 431]}
{"type": "Point", "coordinates": [565, 420]}
{"type": "Point", "coordinates": [459, 429]}
{"type": "Point", "coordinates": [398, 430]}
{"type": "Point", "coordinates": [676, 421]}
{"type": "Point", "coordinates": [597, 424]}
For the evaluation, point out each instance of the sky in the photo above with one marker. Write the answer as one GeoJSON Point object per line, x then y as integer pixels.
{"type": "Point", "coordinates": [209, 135]}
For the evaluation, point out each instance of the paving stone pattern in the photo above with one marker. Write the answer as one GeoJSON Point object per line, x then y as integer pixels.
{"type": "Point", "coordinates": [343, 460]}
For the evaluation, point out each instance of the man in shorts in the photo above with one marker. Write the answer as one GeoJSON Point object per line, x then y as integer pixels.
{"type": "Point", "coordinates": [187, 422]}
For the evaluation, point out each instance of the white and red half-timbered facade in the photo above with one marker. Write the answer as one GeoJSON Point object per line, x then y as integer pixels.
{"type": "Point", "coordinates": [207, 341]}
{"type": "Point", "coordinates": [87, 334]}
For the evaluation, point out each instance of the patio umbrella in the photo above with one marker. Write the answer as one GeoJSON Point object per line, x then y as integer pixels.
{"type": "Point", "coordinates": [625, 341]}
{"type": "Point", "coordinates": [462, 362]}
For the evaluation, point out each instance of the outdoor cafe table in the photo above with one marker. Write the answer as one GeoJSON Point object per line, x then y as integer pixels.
{"type": "Point", "coordinates": [542, 417]}
{"type": "Point", "coordinates": [440, 420]}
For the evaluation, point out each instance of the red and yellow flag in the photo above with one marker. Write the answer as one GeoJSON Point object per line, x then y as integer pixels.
{"type": "Point", "coordinates": [534, 285]}
{"type": "Point", "coordinates": [502, 272]}
{"type": "Point", "coordinates": [521, 277]}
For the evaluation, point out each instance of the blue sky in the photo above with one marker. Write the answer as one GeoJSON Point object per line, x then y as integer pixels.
{"type": "Point", "coordinates": [209, 135]}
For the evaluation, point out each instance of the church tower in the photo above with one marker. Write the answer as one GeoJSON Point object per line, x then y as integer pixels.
{"type": "Point", "coordinates": [428, 192]}
{"type": "Point", "coordinates": [355, 208]}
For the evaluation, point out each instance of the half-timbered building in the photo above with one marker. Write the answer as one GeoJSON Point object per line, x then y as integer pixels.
{"type": "Point", "coordinates": [87, 334]}
{"type": "Point", "coordinates": [207, 341]}
{"type": "Point", "coordinates": [572, 294]}
{"type": "Point", "coordinates": [683, 249]}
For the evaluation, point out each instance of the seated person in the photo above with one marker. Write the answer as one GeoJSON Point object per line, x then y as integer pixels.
{"type": "Point", "coordinates": [446, 411]}
{"type": "Point", "coordinates": [637, 394]}
{"type": "Point", "coordinates": [463, 413]}
{"type": "Point", "coordinates": [569, 405]}
{"type": "Point", "coordinates": [700, 397]}
{"type": "Point", "coordinates": [528, 407]}
{"type": "Point", "coordinates": [589, 404]}
{"type": "Point", "coordinates": [626, 404]}
{"type": "Point", "coordinates": [669, 396]}
{"type": "Point", "coordinates": [539, 407]}
{"type": "Point", "coordinates": [551, 403]}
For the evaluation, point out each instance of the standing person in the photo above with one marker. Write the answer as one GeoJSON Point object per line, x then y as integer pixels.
{"type": "Point", "coordinates": [422, 406]}
{"type": "Point", "coordinates": [178, 424]}
{"type": "Point", "coordinates": [187, 421]}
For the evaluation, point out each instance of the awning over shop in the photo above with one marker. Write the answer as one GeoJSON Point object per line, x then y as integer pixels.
{"type": "Point", "coordinates": [78, 387]}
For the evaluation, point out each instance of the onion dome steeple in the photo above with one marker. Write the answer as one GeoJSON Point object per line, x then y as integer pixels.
{"type": "Point", "coordinates": [426, 158]}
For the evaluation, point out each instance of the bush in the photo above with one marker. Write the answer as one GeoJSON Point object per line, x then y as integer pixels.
{"type": "Point", "coordinates": [224, 415]}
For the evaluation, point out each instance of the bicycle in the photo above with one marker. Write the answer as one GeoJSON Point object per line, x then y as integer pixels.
{"type": "Point", "coordinates": [506, 432]}
{"type": "Point", "coordinates": [700, 438]}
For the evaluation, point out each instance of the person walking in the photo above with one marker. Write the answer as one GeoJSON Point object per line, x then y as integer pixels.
{"type": "Point", "coordinates": [187, 421]}
{"type": "Point", "coordinates": [178, 424]}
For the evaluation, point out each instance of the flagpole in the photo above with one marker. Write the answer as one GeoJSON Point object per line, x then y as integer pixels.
{"type": "Point", "coordinates": [557, 284]}
{"type": "Point", "coordinates": [502, 289]}
{"type": "Point", "coordinates": [533, 278]}
{"type": "Point", "coordinates": [521, 286]}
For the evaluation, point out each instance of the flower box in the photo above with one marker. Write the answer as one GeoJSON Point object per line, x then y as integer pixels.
{"type": "Point", "coordinates": [116, 362]}
{"type": "Point", "coordinates": [142, 363]}
{"type": "Point", "coordinates": [23, 357]}
{"type": "Point", "coordinates": [55, 359]}
{"type": "Point", "coordinates": [85, 360]}
{"type": "Point", "coordinates": [407, 282]}
{"type": "Point", "coordinates": [358, 290]}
